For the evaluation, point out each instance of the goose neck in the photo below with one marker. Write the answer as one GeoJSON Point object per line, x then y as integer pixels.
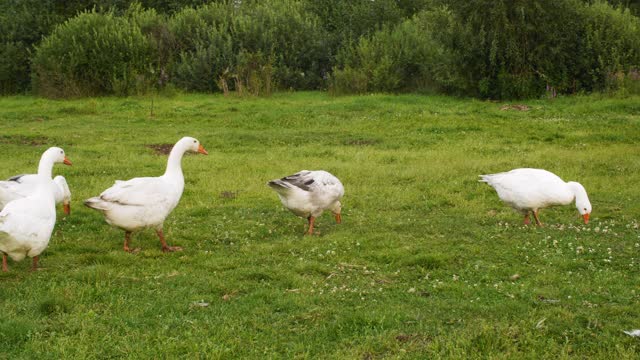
{"type": "Point", "coordinates": [45, 167]}
{"type": "Point", "coordinates": [174, 165]}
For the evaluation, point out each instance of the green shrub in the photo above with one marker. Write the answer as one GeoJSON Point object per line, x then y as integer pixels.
{"type": "Point", "coordinates": [253, 74]}
{"type": "Point", "coordinates": [514, 48]}
{"type": "Point", "coordinates": [203, 46]}
{"type": "Point", "coordinates": [22, 23]}
{"type": "Point", "coordinates": [518, 49]}
{"type": "Point", "coordinates": [406, 57]}
{"type": "Point", "coordinates": [211, 39]}
{"type": "Point", "coordinates": [93, 54]}
{"type": "Point", "coordinates": [14, 67]}
{"type": "Point", "coordinates": [294, 37]}
{"type": "Point", "coordinates": [611, 47]}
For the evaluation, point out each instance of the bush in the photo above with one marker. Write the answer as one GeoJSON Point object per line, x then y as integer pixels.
{"type": "Point", "coordinates": [14, 67]}
{"type": "Point", "coordinates": [93, 54]}
{"type": "Point", "coordinates": [285, 31]}
{"type": "Point", "coordinates": [407, 57]}
{"type": "Point", "coordinates": [254, 74]}
{"type": "Point", "coordinates": [22, 23]}
{"type": "Point", "coordinates": [203, 44]}
{"type": "Point", "coordinates": [611, 47]}
{"type": "Point", "coordinates": [154, 27]}
{"type": "Point", "coordinates": [211, 39]}
{"type": "Point", "coordinates": [518, 49]}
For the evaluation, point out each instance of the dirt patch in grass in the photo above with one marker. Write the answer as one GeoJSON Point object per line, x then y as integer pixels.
{"type": "Point", "coordinates": [24, 140]}
{"type": "Point", "coordinates": [160, 149]}
{"type": "Point", "coordinates": [228, 194]}
{"type": "Point", "coordinates": [515, 107]}
{"type": "Point", "coordinates": [361, 142]}
{"type": "Point", "coordinates": [413, 338]}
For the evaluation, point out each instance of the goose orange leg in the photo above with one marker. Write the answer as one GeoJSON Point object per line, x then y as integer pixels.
{"type": "Point", "coordinates": [312, 221]}
{"type": "Point", "coordinates": [127, 239]}
{"type": "Point", "coordinates": [4, 263]}
{"type": "Point", "coordinates": [535, 216]}
{"type": "Point", "coordinates": [34, 265]}
{"type": "Point", "coordinates": [165, 247]}
{"type": "Point", "coordinates": [527, 220]}
{"type": "Point", "coordinates": [338, 218]}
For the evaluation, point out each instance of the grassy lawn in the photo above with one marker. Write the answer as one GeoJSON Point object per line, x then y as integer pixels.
{"type": "Point", "coordinates": [427, 263]}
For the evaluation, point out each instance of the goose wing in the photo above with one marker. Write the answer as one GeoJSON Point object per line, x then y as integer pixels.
{"type": "Point", "coordinates": [137, 192]}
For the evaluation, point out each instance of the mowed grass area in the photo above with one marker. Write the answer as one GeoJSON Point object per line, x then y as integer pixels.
{"type": "Point", "coordinates": [427, 263]}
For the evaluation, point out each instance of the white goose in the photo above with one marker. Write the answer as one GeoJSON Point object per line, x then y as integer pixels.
{"type": "Point", "coordinates": [308, 193]}
{"type": "Point", "coordinates": [529, 190]}
{"type": "Point", "coordinates": [146, 202]}
{"type": "Point", "coordinates": [20, 186]}
{"type": "Point", "coordinates": [26, 223]}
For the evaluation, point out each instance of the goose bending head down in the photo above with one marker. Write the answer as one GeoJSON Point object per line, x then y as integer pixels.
{"type": "Point", "coordinates": [146, 202]}
{"type": "Point", "coordinates": [26, 224]}
{"type": "Point", "coordinates": [308, 193]}
{"type": "Point", "coordinates": [20, 186]}
{"type": "Point", "coordinates": [529, 190]}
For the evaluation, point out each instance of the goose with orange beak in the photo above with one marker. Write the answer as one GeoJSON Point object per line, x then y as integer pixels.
{"type": "Point", "coordinates": [20, 186]}
{"type": "Point", "coordinates": [529, 190]}
{"type": "Point", "coordinates": [146, 202]}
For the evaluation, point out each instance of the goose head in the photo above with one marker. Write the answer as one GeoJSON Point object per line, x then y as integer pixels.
{"type": "Point", "coordinates": [336, 209]}
{"type": "Point", "coordinates": [62, 186]}
{"type": "Point", "coordinates": [56, 155]}
{"type": "Point", "coordinates": [582, 200]}
{"type": "Point", "coordinates": [192, 145]}
{"type": "Point", "coordinates": [49, 158]}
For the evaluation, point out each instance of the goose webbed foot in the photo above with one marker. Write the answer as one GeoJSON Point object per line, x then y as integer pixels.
{"type": "Point", "coordinates": [127, 239]}
{"type": "Point", "coordinates": [165, 247]}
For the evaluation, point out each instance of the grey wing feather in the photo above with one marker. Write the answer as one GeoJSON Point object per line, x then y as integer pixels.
{"type": "Point", "coordinates": [302, 180]}
{"type": "Point", "coordinates": [16, 178]}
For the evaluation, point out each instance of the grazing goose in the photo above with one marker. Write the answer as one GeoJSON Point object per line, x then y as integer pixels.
{"type": "Point", "coordinates": [308, 193]}
{"type": "Point", "coordinates": [26, 223]}
{"type": "Point", "coordinates": [529, 190]}
{"type": "Point", "coordinates": [20, 186]}
{"type": "Point", "coordinates": [147, 201]}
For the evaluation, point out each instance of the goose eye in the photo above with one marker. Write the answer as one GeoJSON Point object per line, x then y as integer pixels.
{"type": "Point", "coordinates": [194, 141]}
{"type": "Point", "coordinates": [61, 152]}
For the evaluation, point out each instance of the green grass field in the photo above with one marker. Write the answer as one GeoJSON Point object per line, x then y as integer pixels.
{"type": "Point", "coordinates": [422, 266]}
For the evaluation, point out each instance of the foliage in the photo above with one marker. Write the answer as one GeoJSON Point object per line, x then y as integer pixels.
{"type": "Point", "coordinates": [512, 49]}
{"type": "Point", "coordinates": [345, 22]}
{"type": "Point", "coordinates": [92, 54]}
{"type": "Point", "coordinates": [405, 57]}
{"type": "Point", "coordinates": [489, 49]}
{"type": "Point", "coordinates": [611, 45]}
{"type": "Point", "coordinates": [211, 39]}
{"type": "Point", "coordinates": [204, 46]}
{"type": "Point", "coordinates": [283, 30]}
{"type": "Point", "coordinates": [22, 23]}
